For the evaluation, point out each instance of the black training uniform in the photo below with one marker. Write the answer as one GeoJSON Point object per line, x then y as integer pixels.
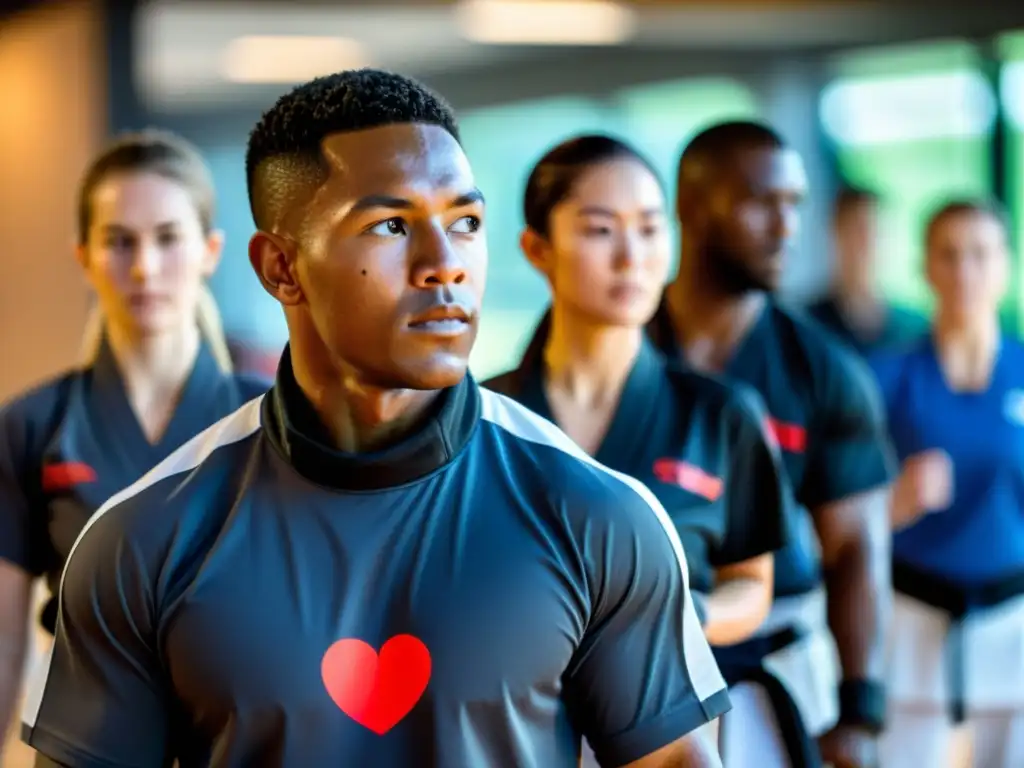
{"type": "Point", "coordinates": [699, 444]}
{"type": "Point", "coordinates": [69, 444]}
{"type": "Point", "coordinates": [481, 594]}
{"type": "Point", "coordinates": [826, 416]}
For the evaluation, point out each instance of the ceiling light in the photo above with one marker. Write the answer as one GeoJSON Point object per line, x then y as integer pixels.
{"type": "Point", "coordinates": [545, 22]}
{"type": "Point", "coordinates": [887, 110]}
{"type": "Point", "coordinates": [284, 59]}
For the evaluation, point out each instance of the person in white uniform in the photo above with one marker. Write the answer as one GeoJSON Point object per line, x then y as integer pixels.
{"type": "Point", "coordinates": [955, 400]}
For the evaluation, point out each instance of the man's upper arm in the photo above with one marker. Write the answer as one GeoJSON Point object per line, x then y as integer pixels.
{"type": "Point", "coordinates": [850, 452]}
{"type": "Point", "coordinates": [757, 494]}
{"type": "Point", "coordinates": [644, 674]}
{"type": "Point", "coordinates": [695, 750]}
{"type": "Point", "coordinates": [100, 700]}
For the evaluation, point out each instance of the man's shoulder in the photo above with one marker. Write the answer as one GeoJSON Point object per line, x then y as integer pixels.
{"type": "Point", "coordinates": [802, 325]}
{"type": "Point", "coordinates": [828, 361]}
{"type": "Point", "coordinates": [910, 321]}
{"type": "Point", "coordinates": [535, 446]}
{"type": "Point", "coordinates": [820, 309]}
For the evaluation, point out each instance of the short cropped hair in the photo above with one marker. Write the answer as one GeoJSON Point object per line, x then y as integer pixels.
{"type": "Point", "coordinates": [852, 196]}
{"type": "Point", "coordinates": [722, 139]}
{"type": "Point", "coordinates": [284, 149]}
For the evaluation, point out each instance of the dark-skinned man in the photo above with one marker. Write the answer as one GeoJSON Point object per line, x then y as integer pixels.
{"type": "Point", "coordinates": [377, 563]}
{"type": "Point", "coordinates": [739, 192]}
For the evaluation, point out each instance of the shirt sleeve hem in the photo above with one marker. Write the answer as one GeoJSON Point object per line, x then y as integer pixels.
{"type": "Point", "coordinates": [60, 751]}
{"type": "Point", "coordinates": [651, 735]}
{"type": "Point", "coordinates": [765, 546]}
{"type": "Point", "coordinates": [882, 476]}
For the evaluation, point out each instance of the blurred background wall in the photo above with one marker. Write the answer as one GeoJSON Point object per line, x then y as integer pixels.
{"type": "Point", "coordinates": [53, 117]}
{"type": "Point", "coordinates": [918, 101]}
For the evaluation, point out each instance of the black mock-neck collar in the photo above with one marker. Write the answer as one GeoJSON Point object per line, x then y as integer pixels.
{"type": "Point", "coordinates": [298, 434]}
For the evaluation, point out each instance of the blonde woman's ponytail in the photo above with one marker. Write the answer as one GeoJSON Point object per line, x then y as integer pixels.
{"type": "Point", "coordinates": [212, 329]}
{"type": "Point", "coordinates": [93, 337]}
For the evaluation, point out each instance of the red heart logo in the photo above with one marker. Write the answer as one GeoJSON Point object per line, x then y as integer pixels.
{"type": "Point", "coordinates": [376, 691]}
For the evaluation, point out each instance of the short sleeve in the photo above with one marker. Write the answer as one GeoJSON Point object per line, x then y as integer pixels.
{"type": "Point", "coordinates": [849, 451]}
{"type": "Point", "coordinates": [758, 500]}
{"type": "Point", "coordinates": [99, 702]}
{"type": "Point", "coordinates": [643, 675]}
{"type": "Point", "coordinates": [23, 535]}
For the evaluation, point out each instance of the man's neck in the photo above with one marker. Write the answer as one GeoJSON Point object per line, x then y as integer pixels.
{"type": "Point", "coordinates": [709, 323]}
{"type": "Point", "coordinates": [360, 418]}
{"type": "Point", "coordinates": [589, 362]}
{"type": "Point", "coordinates": [860, 306]}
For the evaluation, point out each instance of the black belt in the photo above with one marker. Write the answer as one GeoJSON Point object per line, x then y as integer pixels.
{"type": "Point", "coordinates": [959, 602]}
{"type": "Point", "coordinates": [744, 663]}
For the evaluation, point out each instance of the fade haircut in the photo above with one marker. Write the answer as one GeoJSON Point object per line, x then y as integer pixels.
{"type": "Point", "coordinates": [851, 196]}
{"type": "Point", "coordinates": [284, 158]}
{"type": "Point", "coordinates": [719, 141]}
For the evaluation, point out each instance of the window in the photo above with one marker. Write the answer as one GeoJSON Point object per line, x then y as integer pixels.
{"type": "Point", "coordinates": [1011, 93]}
{"type": "Point", "coordinates": [248, 312]}
{"type": "Point", "coordinates": [914, 124]}
{"type": "Point", "coordinates": [660, 119]}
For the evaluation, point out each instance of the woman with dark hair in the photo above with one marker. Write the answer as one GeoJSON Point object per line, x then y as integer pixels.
{"type": "Point", "coordinates": [155, 370]}
{"type": "Point", "coordinates": [597, 229]}
{"type": "Point", "coordinates": [955, 401]}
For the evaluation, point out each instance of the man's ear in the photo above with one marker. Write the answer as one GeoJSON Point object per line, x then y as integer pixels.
{"type": "Point", "coordinates": [273, 259]}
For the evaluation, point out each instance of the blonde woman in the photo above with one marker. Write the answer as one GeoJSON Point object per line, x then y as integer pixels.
{"type": "Point", "coordinates": [156, 370]}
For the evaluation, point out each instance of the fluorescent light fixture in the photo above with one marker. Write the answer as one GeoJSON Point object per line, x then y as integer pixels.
{"type": "Point", "coordinates": [889, 110]}
{"type": "Point", "coordinates": [288, 59]}
{"type": "Point", "coordinates": [545, 22]}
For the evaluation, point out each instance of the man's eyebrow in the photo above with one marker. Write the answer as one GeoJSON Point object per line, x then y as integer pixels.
{"type": "Point", "coordinates": [381, 201]}
{"type": "Point", "coordinates": [400, 203]}
{"type": "Point", "coordinates": [471, 197]}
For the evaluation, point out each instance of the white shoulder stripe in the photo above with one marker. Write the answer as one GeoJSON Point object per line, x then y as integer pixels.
{"type": "Point", "coordinates": [231, 429]}
{"type": "Point", "coordinates": [526, 425]}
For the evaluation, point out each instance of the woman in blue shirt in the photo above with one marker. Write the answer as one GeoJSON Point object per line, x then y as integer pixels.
{"type": "Point", "coordinates": [955, 401]}
{"type": "Point", "coordinates": [156, 371]}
